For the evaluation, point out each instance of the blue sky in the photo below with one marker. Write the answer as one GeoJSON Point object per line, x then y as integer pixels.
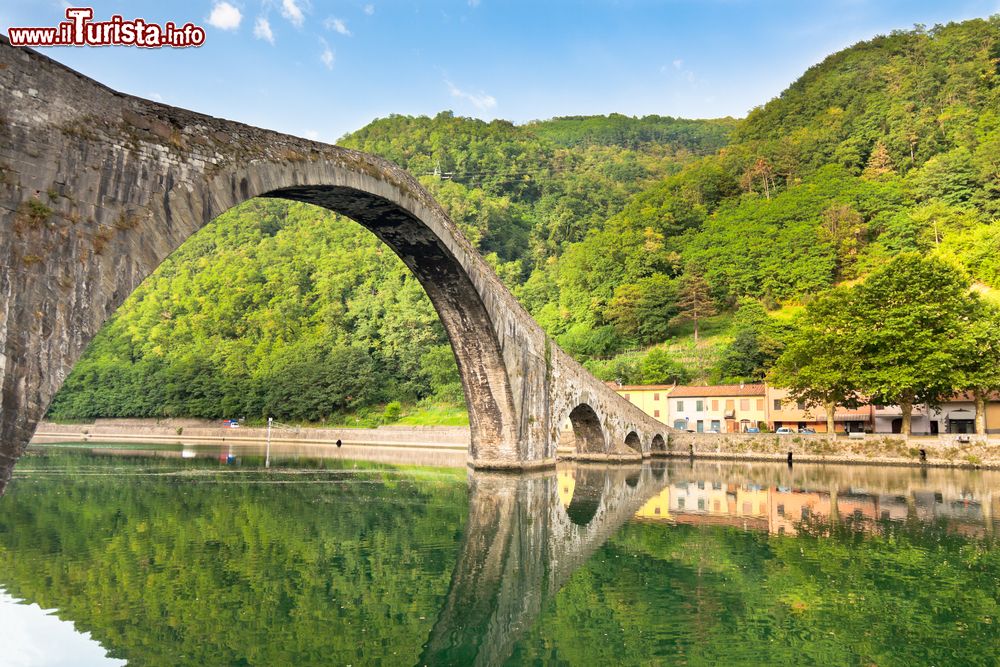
{"type": "Point", "coordinates": [321, 69]}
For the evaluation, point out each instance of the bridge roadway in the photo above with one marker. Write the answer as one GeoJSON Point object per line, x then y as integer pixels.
{"type": "Point", "coordinates": [97, 188]}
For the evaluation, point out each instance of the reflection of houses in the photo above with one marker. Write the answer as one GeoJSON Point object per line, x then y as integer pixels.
{"type": "Point", "coordinates": [718, 409]}
{"type": "Point", "coordinates": [782, 510]}
{"type": "Point", "coordinates": [657, 507]}
{"type": "Point", "coordinates": [566, 481]}
{"type": "Point", "coordinates": [651, 398]}
{"type": "Point", "coordinates": [784, 411]}
{"type": "Point", "coordinates": [856, 506]}
{"type": "Point", "coordinates": [790, 507]}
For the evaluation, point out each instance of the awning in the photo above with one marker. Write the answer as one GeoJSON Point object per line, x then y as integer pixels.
{"type": "Point", "coordinates": [850, 416]}
{"type": "Point", "coordinates": [961, 414]}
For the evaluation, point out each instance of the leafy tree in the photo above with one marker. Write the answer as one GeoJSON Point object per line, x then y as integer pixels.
{"type": "Point", "coordinates": [757, 343]}
{"type": "Point", "coordinates": [910, 328]}
{"type": "Point", "coordinates": [981, 361]}
{"type": "Point", "coordinates": [658, 367]}
{"type": "Point", "coordinates": [879, 162]}
{"type": "Point", "coordinates": [694, 301]}
{"type": "Point", "coordinates": [820, 363]}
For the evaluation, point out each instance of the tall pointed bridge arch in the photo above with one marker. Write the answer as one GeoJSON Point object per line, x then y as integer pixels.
{"type": "Point", "coordinates": [97, 188]}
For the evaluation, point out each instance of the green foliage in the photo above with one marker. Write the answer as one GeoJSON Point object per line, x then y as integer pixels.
{"type": "Point", "coordinates": [617, 130]}
{"type": "Point", "coordinates": [347, 565]}
{"type": "Point", "coordinates": [757, 341]}
{"type": "Point", "coordinates": [659, 367]}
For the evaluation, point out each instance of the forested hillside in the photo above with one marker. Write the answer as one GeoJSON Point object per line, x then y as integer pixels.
{"type": "Point", "coordinates": [622, 236]}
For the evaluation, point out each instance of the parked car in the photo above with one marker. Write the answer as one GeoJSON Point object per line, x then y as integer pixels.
{"type": "Point", "coordinates": [752, 429]}
{"type": "Point", "coordinates": [785, 430]}
{"type": "Point", "coordinates": [808, 431]}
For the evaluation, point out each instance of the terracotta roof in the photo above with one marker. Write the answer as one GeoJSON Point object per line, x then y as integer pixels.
{"type": "Point", "coordinates": [639, 387]}
{"type": "Point", "coordinates": [719, 390]}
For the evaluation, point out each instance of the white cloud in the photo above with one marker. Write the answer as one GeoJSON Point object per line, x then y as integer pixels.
{"type": "Point", "coordinates": [156, 97]}
{"type": "Point", "coordinates": [225, 17]}
{"type": "Point", "coordinates": [262, 30]}
{"type": "Point", "coordinates": [337, 25]}
{"type": "Point", "coordinates": [312, 134]}
{"type": "Point", "coordinates": [678, 63]}
{"type": "Point", "coordinates": [473, 3]}
{"type": "Point", "coordinates": [291, 11]}
{"type": "Point", "coordinates": [327, 57]}
{"type": "Point", "coordinates": [482, 101]}
{"type": "Point", "coordinates": [368, 9]}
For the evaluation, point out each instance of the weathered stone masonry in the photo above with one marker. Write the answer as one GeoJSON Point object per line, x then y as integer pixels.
{"type": "Point", "coordinates": [97, 188]}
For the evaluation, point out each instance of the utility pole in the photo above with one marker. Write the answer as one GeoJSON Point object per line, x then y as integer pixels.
{"type": "Point", "coordinates": [267, 456]}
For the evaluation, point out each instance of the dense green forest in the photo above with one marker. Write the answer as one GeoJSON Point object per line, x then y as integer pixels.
{"type": "Point", "coordinates": [622, 236]}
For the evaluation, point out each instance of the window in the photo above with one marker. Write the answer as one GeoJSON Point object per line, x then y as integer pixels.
{"type": "Point", "coordinates": [715, 405]}
{"type": "Point", "coordinates": [760, 405]}
{"type": "Point", "coordinates": [656, 413]}
{"type": "Point", "coordinates": [744, 404]}
{"type": "Point", "coordinates": [656, 397]}
{"type": "Point", "coordinates": [730, 404]}
{"type": "Point", "coordinates": [747, 508]}
{"type": "Point", "coordinates": [716, 425]}
{"type": "Point", "coordinates": [680, 424]}
{"type": "Point", "coordinates": [716, 505]}
{"type": "Point", "coordinates": [699, 406]}
{"type": "Point", "coordinates": [680, 503]}
{"type": "Point", "coordinates": [701, 426]}
{"type": "Point", "coordinates": [805, 513]}
{"type": "Point", "coordinates": [777, 404]}
{"type": "Point", "coordinates": [656, 510]}
{"type": "Point", "coordinates": [716, 486]}
{"type": "Point", "coordinates": [680, 406]}
{"type": "Point", "coordinates": [701, 504]}
{"type": "Point", "coordinates": [801, 405]}
{"type": "Point", "coordinates": [781, 510]}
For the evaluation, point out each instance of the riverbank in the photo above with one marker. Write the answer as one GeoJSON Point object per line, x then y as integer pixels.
{"type": "Point", "coordinates": [951, 450]}
{"type": "Point", "coordinates": [872, 449]}
{"type": "Point", "coordinates": [181, 431]}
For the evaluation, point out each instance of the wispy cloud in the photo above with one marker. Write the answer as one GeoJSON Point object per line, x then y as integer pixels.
{"type": "Point", "coordinates": [326, 57]}
{"type": "Point", "coordinates": [481, 101]}
{"type": "Point", "coordinates": [224, 16]}
{"type": "Point", "coordinates": [368, 9]}
{"type": "Point", "coordinates": [291, 11]}
{"type": "Point", "coordinates": [262, 30]}
{"type": "Point", "coordinates": [312, 134]}
{"type": "Point", "coordinates": [473, 3]}
{"type": "Point", "coordinates": [156, 97]}
{"type": "Point", "coordinates": [337, 25]}
{"type": "Point", "coordinates": [678, 63]}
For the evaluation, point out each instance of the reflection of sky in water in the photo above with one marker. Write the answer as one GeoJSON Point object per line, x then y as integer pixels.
{"type": "Point", "coordinates": [33, 637]}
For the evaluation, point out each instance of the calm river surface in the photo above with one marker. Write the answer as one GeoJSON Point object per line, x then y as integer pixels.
{"type": "Point", "coordinates": [161, 555]}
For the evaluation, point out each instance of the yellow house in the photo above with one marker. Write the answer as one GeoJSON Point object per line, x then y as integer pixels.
{"type": "Point", "coordinates": [650, 398]}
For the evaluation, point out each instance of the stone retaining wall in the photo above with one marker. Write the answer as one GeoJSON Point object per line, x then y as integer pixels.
{"type": "Point", "coordinates": [451, 437]}
{"type": "Point", "coordinates": [947, 450]}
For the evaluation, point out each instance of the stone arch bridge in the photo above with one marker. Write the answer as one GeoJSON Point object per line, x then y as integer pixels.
{"type": "Point", "coordinates": [97, 188]}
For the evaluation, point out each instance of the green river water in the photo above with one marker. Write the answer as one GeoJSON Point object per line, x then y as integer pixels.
{"type": "Point", "coordinates": [158, 555]}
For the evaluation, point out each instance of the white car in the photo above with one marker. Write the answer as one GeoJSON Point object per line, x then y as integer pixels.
{"type": "Point", "coordinates": [785, 429]}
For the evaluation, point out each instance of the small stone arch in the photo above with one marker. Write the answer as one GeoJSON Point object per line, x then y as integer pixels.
{"type": "Point", "coordinates": [633, 442]}
{"type": "Point", "coordinates": [658, 444]}
{"type": "Point", "coordinates": [588, 436]}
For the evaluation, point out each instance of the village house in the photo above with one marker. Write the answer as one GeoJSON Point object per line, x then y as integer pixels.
{"type": "Point", "coordinates": [728, 408]}
{"type": "Point", "coordinates": [956, 415]}
{"type": "Point", "coordinates": [650, 398]}
{"type": "Point", "coordinates": [785, 411]}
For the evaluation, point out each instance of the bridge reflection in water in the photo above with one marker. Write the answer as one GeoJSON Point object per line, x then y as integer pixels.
{"type": "Point", "coordinates": [318, 561]}
{"type": "Point", "coordinates": [526, 535]}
